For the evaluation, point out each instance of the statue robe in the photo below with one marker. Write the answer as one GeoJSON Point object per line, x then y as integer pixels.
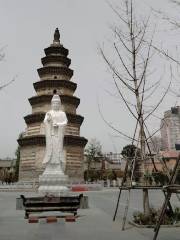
{"type": "Point", "coordinates": [55, 122]}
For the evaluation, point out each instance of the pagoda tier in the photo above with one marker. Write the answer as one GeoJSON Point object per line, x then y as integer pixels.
{"type": "Point", "coordinates": [35, 124]}
{"type": "Point", "coordinates": [39, 117]}
{"type": "Point", "coordinates": [55, 84]}
{"type": "Point", "coordinates": [61, 60]}
{"type": "Point", "coordinates": [55, 72]}
{"type": "Point", "coordinates": [40, 140]}
{"type": "Point", "coordinates": [54, 75]}
{"type": "Point", "coordinates": [65, 100]}
{"type": "Point", "coordinates": [57, 50]}
{"type": "Point", "coordinates": [43, 103]}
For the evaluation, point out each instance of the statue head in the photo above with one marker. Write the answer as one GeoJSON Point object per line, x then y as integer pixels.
{"type": "Point", "coordinates": [56, 102]}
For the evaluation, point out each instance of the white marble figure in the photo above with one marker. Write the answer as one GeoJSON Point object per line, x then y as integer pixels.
{"type": "Point", "coordinates": [55, 122]}
{"type": "Point", "coordinates": [53, 180]}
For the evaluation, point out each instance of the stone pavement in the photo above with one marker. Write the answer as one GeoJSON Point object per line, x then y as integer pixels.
{"type": "Point", "coordinates": [94, 223]}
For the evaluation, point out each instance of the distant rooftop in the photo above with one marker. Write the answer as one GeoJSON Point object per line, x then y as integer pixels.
{"type": "Point", "coordinates": [7, 162]}
{"type": "Point", "coordinates": [170, 154]}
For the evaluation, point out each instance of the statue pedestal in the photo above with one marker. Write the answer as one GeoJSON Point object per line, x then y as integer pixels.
{"type": "Point", "coordinates": [53, 181]}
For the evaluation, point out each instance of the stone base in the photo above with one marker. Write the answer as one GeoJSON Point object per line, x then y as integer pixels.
{"type": "Point", "coordinates": [53, 190]}
{"type": "Point", "coordinates": [53, 182]}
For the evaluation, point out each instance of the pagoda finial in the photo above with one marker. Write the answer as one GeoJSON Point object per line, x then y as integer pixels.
{"type": "Point", "coordinates": [56, 40]}
{"type": "Point", "coordinates": [56, 35]}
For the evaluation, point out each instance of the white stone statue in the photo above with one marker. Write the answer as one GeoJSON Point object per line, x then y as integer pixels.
{"type": "Point", "coordinates": [53, 179]}
{"type": "Point", "coordinates": [55, 122]}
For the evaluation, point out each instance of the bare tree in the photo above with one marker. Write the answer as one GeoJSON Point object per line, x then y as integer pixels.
{"type": "Point", "coordinates": [155, 144]}
{"type": "Point", "coordinates": [6, 84]}
{"type": "Point", "coordinates": [2, 55]}
{"type": "Point", "coordinates": [92, 151]}
{"type": "Point", "coordinates": [132, 76]}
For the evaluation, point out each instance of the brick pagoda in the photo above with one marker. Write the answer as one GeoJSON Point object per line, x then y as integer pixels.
{"type": "Point", "coordinates": [54, 75]}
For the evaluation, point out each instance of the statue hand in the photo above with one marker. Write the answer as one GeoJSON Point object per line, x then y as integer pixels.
{"type": "Point", "coordinates": [62, 125]}
{"type": "Point", "coordinates": [48, 117]}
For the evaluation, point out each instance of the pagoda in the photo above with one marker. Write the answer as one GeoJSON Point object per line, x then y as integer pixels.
{"type": "Point", "coordinates": [55, 75]}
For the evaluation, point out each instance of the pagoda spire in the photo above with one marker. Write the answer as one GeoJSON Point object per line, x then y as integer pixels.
{"type": "Point", "coordinates": [56, 40]}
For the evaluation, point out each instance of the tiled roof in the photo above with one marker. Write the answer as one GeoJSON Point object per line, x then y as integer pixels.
{"type": "Point", "coordinates": [7, 163]}
{"type": "Point", "coordinates": [169, 154]}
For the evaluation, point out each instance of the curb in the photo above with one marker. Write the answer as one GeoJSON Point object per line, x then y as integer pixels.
{"type": "Point", "coordinates": [153, 226]}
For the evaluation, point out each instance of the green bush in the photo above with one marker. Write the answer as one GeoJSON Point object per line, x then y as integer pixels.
{"type": "Point", "coordinates": [160, 178]}
{"type": "Point", "coordinates": [148, 178]}
{"type": "Point", "coordinates": [93, 175]}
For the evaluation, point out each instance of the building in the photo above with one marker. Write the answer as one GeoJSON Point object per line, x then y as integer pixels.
{"type": "Point", "coordinates": [54, 75]}
{"type": "Point", "coordinates": [170, 128]}
{"type": "Point", "coordinates": [7, 168]}
{"type": "Point", "coordinates": [108, 161]}
{"type": "Point", "coordinates": [154, 144]}
{"type": "Point", "coordinates": [7, 164]}
{"type": "Point", "coordinates": [114, 158]}
{"type": "Point", "coordinates": [170, 158]}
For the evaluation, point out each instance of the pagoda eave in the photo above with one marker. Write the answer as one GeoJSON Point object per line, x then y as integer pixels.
{"type": "Point", "coordinates": [54, 84]}
{"type": "Point", "coordinates": [39, 117]}
{"type": "Point", "coordinates": [55, 71]}
{"type": "Point", "coordinates": [54, 58]}
{"type": "Point", "coordinates": [56, 50]}
{"type": "Point", "coordinates": [39, 140]}
{"type": "Point", "coordinates": [47, 99]}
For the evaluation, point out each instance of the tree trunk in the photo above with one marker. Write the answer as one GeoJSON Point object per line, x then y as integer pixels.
{"type": "Point", "coordinates": [141, 161]}
{"type": "Point", "coordinates": [88, 169]}
{"type": "Point", "coordinates": [146, 206]}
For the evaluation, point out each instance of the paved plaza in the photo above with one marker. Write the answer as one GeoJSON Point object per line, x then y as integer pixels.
{"type": "Point", "coordinates": [93, 223]}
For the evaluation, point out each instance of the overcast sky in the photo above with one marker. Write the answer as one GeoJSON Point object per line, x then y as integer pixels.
{"type": "Point", "coordinates": [26, 28]}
